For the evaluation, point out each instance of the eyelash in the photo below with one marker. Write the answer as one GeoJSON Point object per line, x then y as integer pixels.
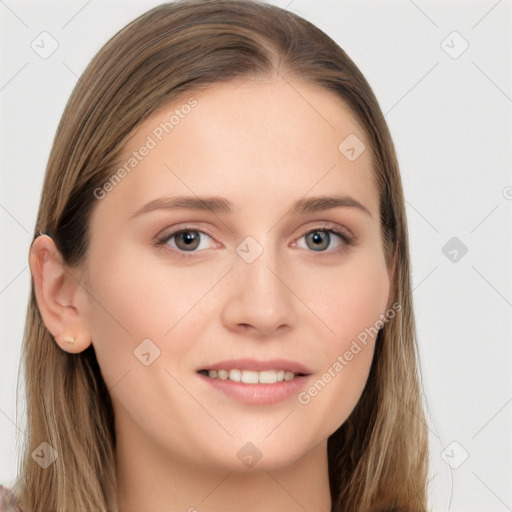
{"type": "Point", "coordinates": [347, 241]}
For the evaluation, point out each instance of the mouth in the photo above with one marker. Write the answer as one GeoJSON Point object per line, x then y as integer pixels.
{"type": "Point", "coordinates": [256, 382]}
{"type": "Point", "coordinates": [252, 376]}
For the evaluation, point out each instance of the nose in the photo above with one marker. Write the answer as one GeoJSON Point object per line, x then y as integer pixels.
{"type": "Point", "coordinates": [260, 301]}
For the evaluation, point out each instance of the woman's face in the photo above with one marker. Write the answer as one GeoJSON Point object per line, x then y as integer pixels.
{"type": "Point", "coordinates": [226, 279]}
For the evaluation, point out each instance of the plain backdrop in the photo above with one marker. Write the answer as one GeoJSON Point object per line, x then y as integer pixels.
{"type": "Point", "coordinates": [442, 74]}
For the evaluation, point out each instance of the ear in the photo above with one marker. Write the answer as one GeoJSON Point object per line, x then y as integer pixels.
{"type": "Point", "coordinates": [56, 290]}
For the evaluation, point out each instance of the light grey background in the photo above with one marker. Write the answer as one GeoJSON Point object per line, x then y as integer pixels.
{"type": "Point", "coordinates": [450, 117]}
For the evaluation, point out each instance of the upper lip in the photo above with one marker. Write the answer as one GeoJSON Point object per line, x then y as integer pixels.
{"type": "Point", "coordinates": [259, 365]}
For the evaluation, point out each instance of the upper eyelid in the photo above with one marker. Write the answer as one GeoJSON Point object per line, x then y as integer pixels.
{"type": "Point", "coordinates": [331, 228]}
{"type": "Point", "coordinates": [170, 232]}
{"type": "Point", "coordinates": [320, 225]}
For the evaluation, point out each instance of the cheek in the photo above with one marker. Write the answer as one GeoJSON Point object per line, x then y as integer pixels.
{"type": "Point", "coordinates": [122, 309]}
{"type": "Point", "coordinates": [355, 307]}
{"type": "Point", "coordinates": [132, 298]}
{"type": "Point", "coordinates": [349, 298]}
{"type": "Point", "coordinates": [350, 306]}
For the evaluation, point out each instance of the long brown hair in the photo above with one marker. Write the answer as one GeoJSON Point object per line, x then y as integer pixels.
{"type": "Point", "coordinates": [378, 458]}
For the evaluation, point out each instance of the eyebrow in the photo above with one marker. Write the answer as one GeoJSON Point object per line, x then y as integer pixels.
{"type": "Point", "coordinates": [223, 205]}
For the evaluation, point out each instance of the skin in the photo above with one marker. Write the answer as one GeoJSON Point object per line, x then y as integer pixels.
{"type": "Point", "coordinates": [262, 145]}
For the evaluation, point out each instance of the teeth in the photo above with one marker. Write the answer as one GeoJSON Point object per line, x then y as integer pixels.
{"type": "Point", "coordinates": [248, 377]}
{"type": "Point", "coordinates": [222, 374]}
{"type": "Point", "coordinates": [235, 375]}
{"type": "Point", "coordinates": [252, 377]}
{"type": "Point", "coordinates": [268, 377]}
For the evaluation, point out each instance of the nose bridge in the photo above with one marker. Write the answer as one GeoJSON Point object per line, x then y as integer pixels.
{"type": "Point", "coordinates": [259, 275]}
{"type": "Point", "coordinates": [259, 297]}
{"type": "Point", "coordinates": [262, 284]}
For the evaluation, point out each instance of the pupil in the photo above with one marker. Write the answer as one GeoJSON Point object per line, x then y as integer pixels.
{"type": "Point", "coordinates": [189, 237]}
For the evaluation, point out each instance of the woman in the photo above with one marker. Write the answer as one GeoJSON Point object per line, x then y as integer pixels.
{"type": "Point", "coordinates": [221, 312]}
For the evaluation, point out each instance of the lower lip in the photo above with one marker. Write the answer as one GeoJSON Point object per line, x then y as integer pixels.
{"type": "Point", "coordinates": [258, 394]}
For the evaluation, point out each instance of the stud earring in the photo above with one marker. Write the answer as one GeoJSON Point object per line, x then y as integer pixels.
{"type": "Point", "coordinates": [70, 339]}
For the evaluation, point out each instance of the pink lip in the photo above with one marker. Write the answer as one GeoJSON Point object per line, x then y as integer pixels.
{"type": "Point", "coordinates": [258, 394]}
{"type": "Point", "coordinates": [255, 365]}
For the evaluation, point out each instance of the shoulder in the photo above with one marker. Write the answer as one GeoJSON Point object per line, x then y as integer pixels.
{"type": "Point", "coordinates": [8, 501]}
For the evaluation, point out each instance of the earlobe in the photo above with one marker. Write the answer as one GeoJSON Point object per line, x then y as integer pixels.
{"type": "Point", "coordinates": [56, 292]}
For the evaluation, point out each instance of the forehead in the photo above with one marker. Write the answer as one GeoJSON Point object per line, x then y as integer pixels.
{"type": "Point", "coordinates": [263, 141]}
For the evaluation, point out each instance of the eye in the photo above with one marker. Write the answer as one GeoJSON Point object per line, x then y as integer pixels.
{"type": "Point", "coordinates": [319, 240]}
{"type": "Point", "coordinates": [186, 240]}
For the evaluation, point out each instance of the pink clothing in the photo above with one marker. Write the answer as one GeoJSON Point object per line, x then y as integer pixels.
{"type": "Point", "coordinates": [8, 501]}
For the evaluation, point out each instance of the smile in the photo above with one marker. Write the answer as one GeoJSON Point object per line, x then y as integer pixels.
{"type": "Point", "coordinates": [251, 376]}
